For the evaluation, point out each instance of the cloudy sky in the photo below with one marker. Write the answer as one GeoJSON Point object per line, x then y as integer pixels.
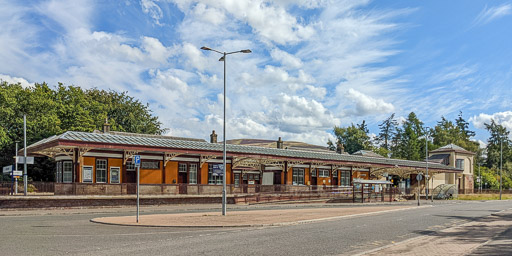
{"type": "Point", "coordinates": [315, 63]}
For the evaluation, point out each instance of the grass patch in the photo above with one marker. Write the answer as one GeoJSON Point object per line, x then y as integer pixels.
{"type": "Point", "coordinates": [484, 197]}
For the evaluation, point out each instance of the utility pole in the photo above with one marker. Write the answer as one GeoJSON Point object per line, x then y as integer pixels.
{"type": "Point", "coordinates": [501, 161]}
{"type": "Point", "coordinates": [25, 184]}
{"type": "Point", "coordinates": [426, 159]}
{"type": "Point", "coordinates": [16, 169]}
{"type": "Point", "coordinates": [480, 179]}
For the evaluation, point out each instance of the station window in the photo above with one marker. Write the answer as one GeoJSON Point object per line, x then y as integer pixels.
{"type": "Point", "coordinates": [190, 171]}
{"type": "Point", "coordinates": [335, 174]}
{"type": "Point", "coordinates": [130, 166]}
{"type": "Point", "coordinates": [101, 171]}
{"type": "Point", "coordinates": [346, 178]}
{"type": "Point", "coordinates": [215, 174]}
{"type": "Point", "coordinates": [192, 174]}
{"type": "Point", "coordinates": [459, 164]}
{"type": "Point", "coordinates": [153, 165]}
{"type": "Point", "coordinates": [323, 173]}
{"type": "Point", "coordinates": [298, 176]}
{"type": "Point", "coordinates": [67, 171]}
{"type": "Point", "coordinates": [58, 175]}
{"type": "Point", "coordinates": [313, 173]}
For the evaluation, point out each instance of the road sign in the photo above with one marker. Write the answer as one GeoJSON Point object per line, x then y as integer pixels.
{"type": "Point", "coordinates": [21, 160]}
{"type": "Point", "coordinates": [419, 177]}
{"type": "Point", "coordinates": [7, 169]}
{"type": "Point", "coordinates": [17, 173]}
{"type": "Point", "coordinates": [136, 160]}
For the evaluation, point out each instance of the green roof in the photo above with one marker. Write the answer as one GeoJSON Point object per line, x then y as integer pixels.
{"type": "Point", "coordinates": [185, 144]}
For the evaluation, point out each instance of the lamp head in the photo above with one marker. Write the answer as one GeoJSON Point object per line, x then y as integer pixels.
{"type": "Point", "coordinates": [246, 51]}
{"type": "Point", "coordinates": [206, 48]}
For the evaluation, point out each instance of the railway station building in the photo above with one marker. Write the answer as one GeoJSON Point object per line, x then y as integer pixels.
{"type": "Point", "coordinates": [101, 163]}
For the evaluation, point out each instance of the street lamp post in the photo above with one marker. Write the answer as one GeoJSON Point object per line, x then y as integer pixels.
{"type": "Point", "coordinates": [426, 159]}
{"type": "Point", "coordinates": [501, 161]}
{"type": "Point", "coordinates": [480, 178]}
{"type": "Point", "coordinates": [223, 58]}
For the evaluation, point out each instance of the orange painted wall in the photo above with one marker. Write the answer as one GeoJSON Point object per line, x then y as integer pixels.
{"type": "Point", "coordinates": [360, 175]}
{"type": "Point", "coordinates": [307, 176]}
{"type": "Point", "coordinates": [228, 173]}
{"type": "Point", "coordinates": [150, 176]}
{"type": "Point", "coordinates": [282, 177]}
{"type": "Point", "coordinates": [171, 173]}
{"type": "Point", "coordinates": [289, 177]}
{"type": "Point", "coordinates": [204, 174]}
{"type": "Point", "coordinates": [115, 162]}
{"type": "Point", "coordinates": [320, 181]}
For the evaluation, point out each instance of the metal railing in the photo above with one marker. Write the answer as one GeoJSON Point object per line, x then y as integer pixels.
{"type": "Point", "coordinates": [8, 188]}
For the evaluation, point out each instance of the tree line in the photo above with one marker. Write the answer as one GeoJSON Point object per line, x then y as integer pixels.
{"type": "Point", "coordinates": [54, 110]}
{"type": "Point", "coordinates": [408, 139]}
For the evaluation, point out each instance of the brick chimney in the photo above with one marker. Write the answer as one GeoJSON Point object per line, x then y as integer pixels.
{"type": "Point", "coordinates": [106, 126]}
{"type": "Point", "coordinates": [213, 137]}
{"type": "Point", "coordinates": [280, 143]}
{"type": "Point", "coordinates": [340, 149]}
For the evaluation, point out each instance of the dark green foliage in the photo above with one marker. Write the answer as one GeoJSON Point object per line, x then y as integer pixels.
{"type": "Point", "coordinates": [387, 131]}
{"type": "Point", "coordinates": [65, 108]}
{"type": "Point", "coordinates": [353, 138]}
{"type": "Point", "coordinates": [497, 142]}
{"type": "Point", "coordinates": [407, 142]}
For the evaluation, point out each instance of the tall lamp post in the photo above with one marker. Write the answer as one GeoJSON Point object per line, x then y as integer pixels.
{"type": "Point", "coordinates": [426, 159]}
{"type": "Point", "coordinates": [223, 58]}
{"type": "Point", "coordinates": [501, 160]}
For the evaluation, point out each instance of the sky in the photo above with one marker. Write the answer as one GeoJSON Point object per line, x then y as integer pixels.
{"type": "Point", "coordinates": [315, 64]}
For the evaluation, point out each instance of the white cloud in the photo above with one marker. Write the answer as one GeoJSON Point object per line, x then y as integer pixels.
{"type": "Point", "coordinates": [68, 14]}
{"type": "Point", "coordinates": [272, 22]}
{"type": "Point", "coordinates": [290, 86]}
{"type": "Point", "coordinates": [285, 58]}
{"type": "Point", "coordinates": [366, 105]}
{"type": "Point", "coordinates": [151, 8]}
{"type": "Point", "coordinates": [489, 14]}
{"type": "Point", "coordinates": [14, 80]}
{"type": "Point", "coordinates": [502, 118]}
{"type": "Point", "coordinates": [482, 144]}
{"type": "Point", "coordinates": [299, 115]}
{"type": "Point", "coordinates": [211, 15]}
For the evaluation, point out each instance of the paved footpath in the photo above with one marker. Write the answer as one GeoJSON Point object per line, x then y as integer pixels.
{"type": "Point", "coordinates": [251, 218]}
{"type": "Point", "coordinates": [488, 236]}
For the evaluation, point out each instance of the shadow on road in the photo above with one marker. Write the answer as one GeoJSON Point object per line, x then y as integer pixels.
{"type": "Point", "coordinates": [495, 231]}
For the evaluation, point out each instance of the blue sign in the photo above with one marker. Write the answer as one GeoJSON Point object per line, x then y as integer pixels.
{"type": "Point", "coordinates": [136, 160]}
{"type": "Point", "coordinates": [218, 170]}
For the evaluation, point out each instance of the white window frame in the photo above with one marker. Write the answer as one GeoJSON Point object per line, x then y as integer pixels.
{"type": "Point", "coordinates": [150, 165]}
{"type": "Point", "coordinates": [192, 174]}
{"type": "Point", "coordinates": [323, 173]}
{"type": "Point", "coordinates": [298, 176]}
{"type": "Point", "coordinates": [67, 173]}
{"type": "Point", "coordinates": [118, 174]}
{"type": "Point", "coordinates": [457, 161]}
{"type": "Point", "coordinates": [130, 166]}
{"type": "Point", "coordinates": [214, 179]}
{"type": "Point", "coordinates": [58, 175]}
{"type": "Point", "coordinates": [101, 169]}
{"type": "Point", "coordinates": [344, 177]}
{"type": "Point", "coordinates": [83, 173]}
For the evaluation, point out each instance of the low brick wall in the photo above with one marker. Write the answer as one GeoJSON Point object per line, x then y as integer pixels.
{"type": "Point", "coordinates": [51, 202]}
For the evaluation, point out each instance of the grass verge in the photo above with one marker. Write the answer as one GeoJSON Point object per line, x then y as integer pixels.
{"type": "Point", "coordinates": [484, 197]}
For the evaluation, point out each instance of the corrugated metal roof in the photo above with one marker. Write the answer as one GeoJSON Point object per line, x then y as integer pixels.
{"type": "Point", "coordinates": [134, 140]}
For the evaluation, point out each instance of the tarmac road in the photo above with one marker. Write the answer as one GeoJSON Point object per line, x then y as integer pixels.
{"type": "Point", "coordinates": [62, 233]}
